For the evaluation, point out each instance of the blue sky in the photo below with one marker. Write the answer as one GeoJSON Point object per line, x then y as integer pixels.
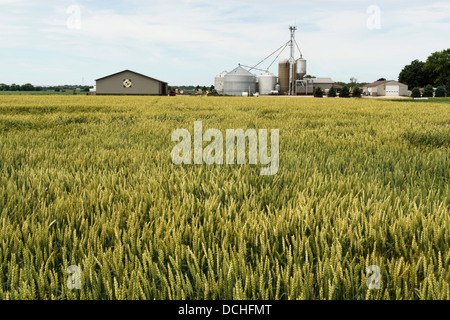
{"type": "Point", "coordinates": [190, 41]}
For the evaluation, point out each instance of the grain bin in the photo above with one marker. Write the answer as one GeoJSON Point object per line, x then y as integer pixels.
{"type": "Point", "coordinates": [267, 83]}
{"type": "Point", "coordinates": [278, 87]}
{"type": "Point", "coordinates": [219, 82]}
{"type": "Point", "coordinates": [283, 75]}
{"type": "Point", "coordinates": [300, 68]}
{"type": "Point", "coordinates": [238, 81]}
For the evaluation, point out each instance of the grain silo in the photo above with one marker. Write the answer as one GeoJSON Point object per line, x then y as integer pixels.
{"type": "Point", "coordinates": [277, 87]}
{"type": "Point", "coordinates": [300, 68]}
{"type": "Point", "coordinates": [267, 83]}
{"type": "Point", "coordinates": [219, 82]}
{"type": "Point", "coordinates": [238, 81]}
{"type": "Point", "coordinates": [283, 75]}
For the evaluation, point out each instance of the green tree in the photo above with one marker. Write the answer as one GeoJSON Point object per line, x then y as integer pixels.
{"type": "Point", "coordinates": [428, 91]}
{"type": "Point", "coordinates": [353, 82]}
{"type": "Point", "coordinates": [27, 87]}
{"type": "Point", "coordinates": [415, 93]}
{"type": "Point", "coordinates": [318, 93]}
{"type": "Point", "coordinates": [437, 67]}
{"type": "Point", "coordinates": [332, 92]}
{"type": "Point", "coordinates": [413, 75]}
{"type": "Point", "coordinates": [345, 92]}
{"type": "Point", "coordinates": [447, 86]}
{"type": "Point", "coordinates": [440, 92]}
{"type": "Point", "coordinates": [357, 92]}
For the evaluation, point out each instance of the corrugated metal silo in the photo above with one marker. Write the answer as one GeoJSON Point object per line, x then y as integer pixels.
{"type": "Point", "coordinates": [300, 68]}
{"type": "Point", "coordinates": [278, 87]}
{"type": "Point", "coordinates": [238, 81]}
{"type": "Point", "coordinates": [219, 82]}
{"type": "Point", "coordinates": [283, 75]}
{"type": "Point", "coordinates": [267, 83]}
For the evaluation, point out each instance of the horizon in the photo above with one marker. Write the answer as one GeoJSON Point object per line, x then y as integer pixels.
{"type": "Point", "coordinates": [189, 42]}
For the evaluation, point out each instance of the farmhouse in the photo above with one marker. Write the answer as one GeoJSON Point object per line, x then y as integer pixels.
{"type": "Point", "coordinates": [388, 88]}
{"type": "Point", "coordinates": [128, 82]}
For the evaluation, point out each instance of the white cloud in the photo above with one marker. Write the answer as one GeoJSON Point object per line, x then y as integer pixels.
{"type": "Point", "coordinates": [187, 41]}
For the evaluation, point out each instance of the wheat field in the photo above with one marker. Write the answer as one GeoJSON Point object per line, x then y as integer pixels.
{"type": "Point", "coordinates": [88, 181]}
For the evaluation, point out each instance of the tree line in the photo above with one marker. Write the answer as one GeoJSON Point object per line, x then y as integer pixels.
{"type": "Point", "coordinates": [343, 93]}
{"type": "Point", "coordinates": [30, 87]}
{"type": "Point", "coordinates": [435, 71]}
{"type": "Point", "coordinates": [17, 87]}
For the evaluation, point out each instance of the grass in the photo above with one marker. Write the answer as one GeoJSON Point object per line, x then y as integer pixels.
{"type": "Point", "coordinates": [88, 181]}
{"type": "Point", "coordinates": [429, 100]}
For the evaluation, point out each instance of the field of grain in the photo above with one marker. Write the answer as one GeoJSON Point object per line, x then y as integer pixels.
{"type": "Point", "coordinates": [88, 181]}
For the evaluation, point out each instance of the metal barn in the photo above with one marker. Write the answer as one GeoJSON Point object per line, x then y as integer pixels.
{"type": "Point", "coordinates": [128, 82]}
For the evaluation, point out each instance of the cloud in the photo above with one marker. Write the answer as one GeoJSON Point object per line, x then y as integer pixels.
{"type": "Point", "coordinates": [190, 41]}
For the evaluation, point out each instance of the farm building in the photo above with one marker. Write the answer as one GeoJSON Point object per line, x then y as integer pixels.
{"type": "Point", "coordinates": [337, 86]}
{"type": "Point", "coordinates": [388, 88]}
{"type": "Point", "coordinates": [308, 85]}
{"type": "Point", "coordinates": [128, 82]}
{"type": "Point", "coordinates": [219, 82]}
{"type": "Point", "coordinates": [239, 81]}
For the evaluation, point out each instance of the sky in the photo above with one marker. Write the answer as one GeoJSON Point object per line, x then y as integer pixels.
{"type": "Point", "coordinates": [189, 42]}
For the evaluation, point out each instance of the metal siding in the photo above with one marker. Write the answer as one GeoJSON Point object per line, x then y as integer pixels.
{"type": "Point", "coordinates": [219, 84]}
{"type": "Point", "coordinates": [238, 81]}
{"type": "Point", "coordinates": [267, 83]}
{"type": "Point", "coordinates": [381, 90]}
{"type": "Point", "coordinates": [392, 90]}
{"type": "Point", "coordinates": [403, 89]}
{"type": "Point", "coordinates": [300, 68]}
{"type": "Point", "coordinates": [140, 85]}
{"type": "Point", "coordinates": [323, 86]}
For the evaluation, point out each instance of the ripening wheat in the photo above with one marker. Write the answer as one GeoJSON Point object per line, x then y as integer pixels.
{"type": "Point", "coordinates": [89, 181]}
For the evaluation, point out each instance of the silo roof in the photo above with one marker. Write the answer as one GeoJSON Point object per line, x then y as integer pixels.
{"type": "Point", "coordinates": [267, 74]}
{"type": "Point", "coordinates": [222, 74]}
{"type": "Point", "coordinates": [239, 71]}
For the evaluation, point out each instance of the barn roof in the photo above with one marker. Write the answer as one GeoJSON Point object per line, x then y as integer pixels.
{"type": "Point", "coordinates": [377, 83]}
{"type": "Point", "coordinates": [143, 75]}
{"type": "Point", "coordinates": [322, 80]}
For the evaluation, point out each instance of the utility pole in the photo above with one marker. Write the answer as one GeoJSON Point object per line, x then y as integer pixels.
{"type": "Point", "coordinates": [292, 62]}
